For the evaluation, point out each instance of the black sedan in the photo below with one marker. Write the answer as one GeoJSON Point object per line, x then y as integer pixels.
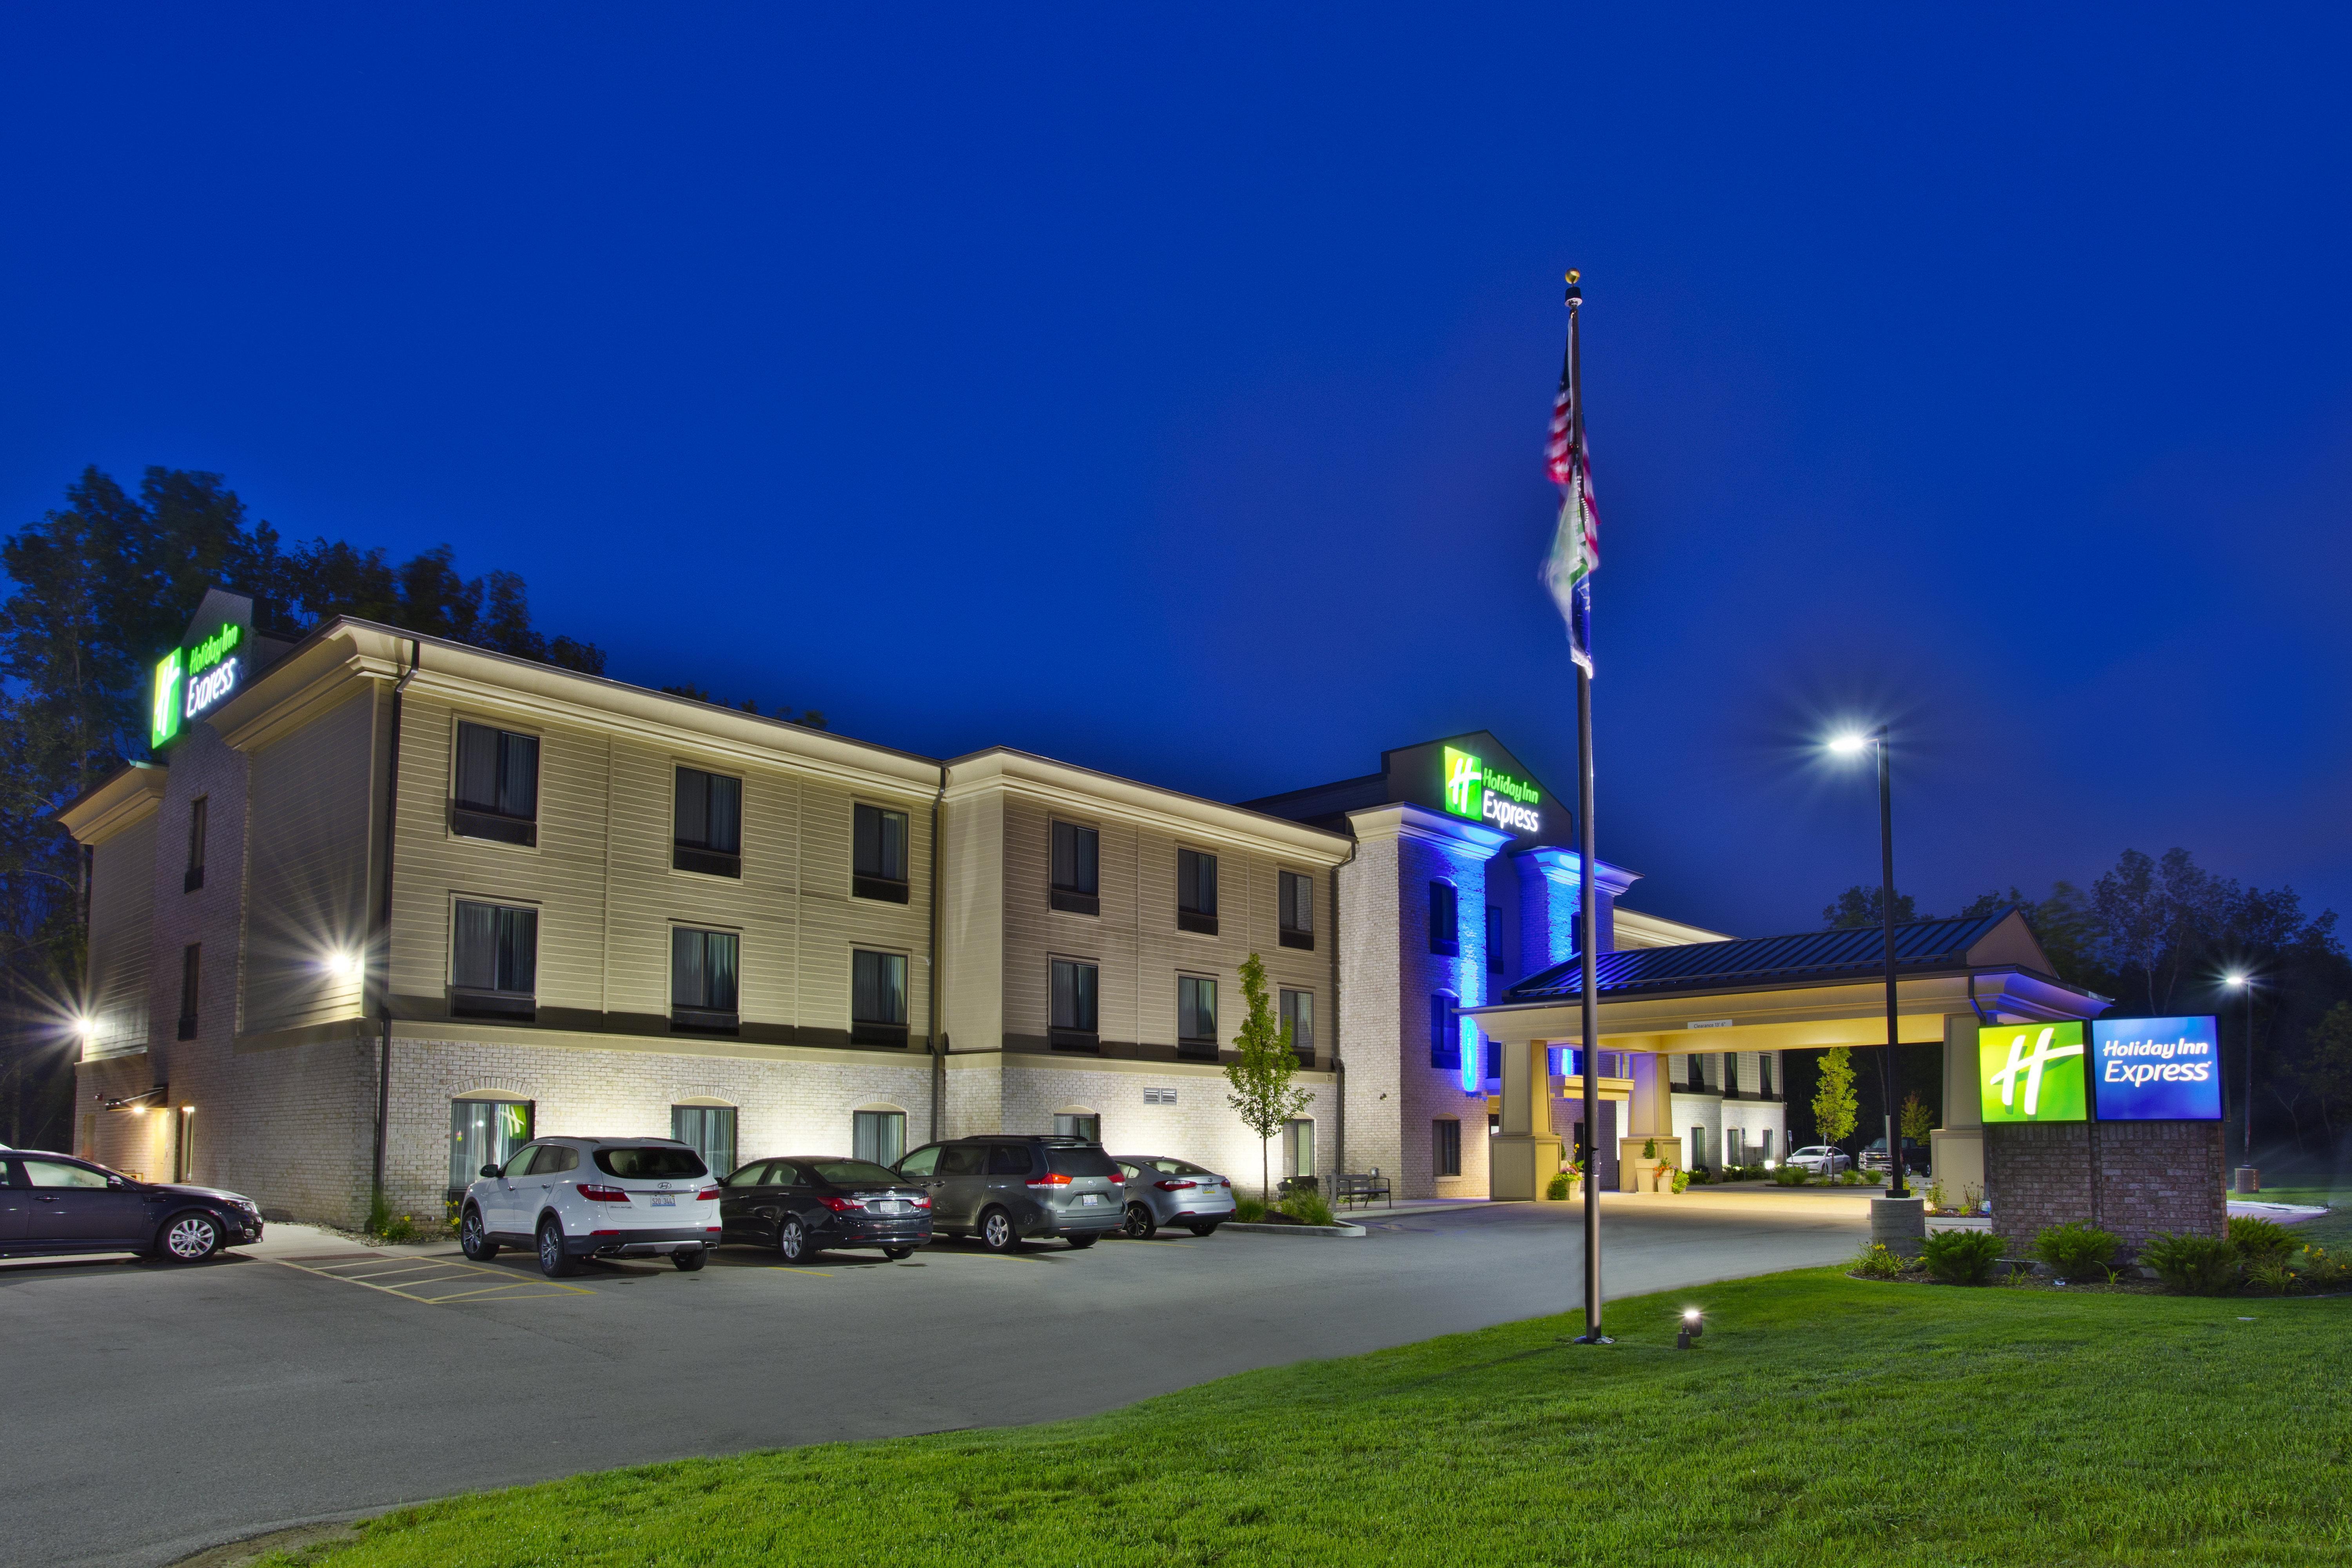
{"type": "Point", "coordinates": [802, 1204]}
{"type": "Point", "coordinates": [53, 1204]}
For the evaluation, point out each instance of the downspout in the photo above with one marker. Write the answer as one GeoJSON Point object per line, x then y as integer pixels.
{"type": "Point", "coordinates": [939, 968]}
{"type": "Point", "coordinates": [380, 940]}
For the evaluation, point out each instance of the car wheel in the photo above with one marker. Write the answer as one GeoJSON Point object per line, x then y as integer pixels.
{"type": "Point", "coordinates": [554, 1260]}
{"type": "Point", "coordinates": [792, 1240]}
{"type": "Point", "coordinates": [476, 1241]}
{"type": "Point", "coordinates": [188, 1238]}
{"type": "Point", "coordinates": [895, 1253]}
{"type": "Point", "coordinates": [689, 1258]}
{"type": "Point", "coordinates": [1202, 1229]}
{"type": "Point", "coordinates": [1142, 1223]}
{"type": "Point", "coordinates": [997, 1232]}
{"type": "Point", "coordinates": [1080, 1243]}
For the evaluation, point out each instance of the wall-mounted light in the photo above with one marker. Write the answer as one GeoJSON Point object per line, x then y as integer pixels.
{"type": "Point", "coordinates": [187, 1111]}
{"type": "Point", "coordinates": [138, 1110]}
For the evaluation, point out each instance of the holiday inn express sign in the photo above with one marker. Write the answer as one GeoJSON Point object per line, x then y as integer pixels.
{"type": "Point", "coordinates": [2119, 1070]}
{"type": "Point", "coordinates": [209, 667]}
{"type": "Point", "coordinates": [1474, 777]}
{"type": "Point", "coordinates": [2033, 1072]}
{"type": "Point", "coordinates": [1485, 793]}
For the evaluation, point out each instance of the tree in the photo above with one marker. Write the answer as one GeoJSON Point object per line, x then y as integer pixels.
{"type": "Point", "coordinates": [1861, 906]}
{"type": "Point", "coordinates": [1260, 1074]}
{"type": "Point", "coordinates": [2326, 1072]}
{"type": "Point", "coordinates": [1835, 1106]}
{"type": "Point", "coordinates": [1917, 1120]}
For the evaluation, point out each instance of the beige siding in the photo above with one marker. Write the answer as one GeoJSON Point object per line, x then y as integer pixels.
{"type": "Point", "coordinates": [306, 890]}
{"type": "Point", "coordinates": [122, 921]}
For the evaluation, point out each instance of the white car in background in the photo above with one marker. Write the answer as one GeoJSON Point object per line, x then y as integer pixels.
{"type": "Point", "coordinates": [1820, 1160]}
{"type": "Point", "coordinates": [575, 1198]}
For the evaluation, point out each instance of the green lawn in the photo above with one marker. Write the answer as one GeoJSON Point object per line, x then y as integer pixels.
{"type": "Point", "coordinates": [2332, 1231]}
{"type": "Point", "coordinates": [1826, 1422]}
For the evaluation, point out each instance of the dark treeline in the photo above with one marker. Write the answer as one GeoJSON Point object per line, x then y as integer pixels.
{"type": "Point", "coordinates": [97, 589]}
{"type": "Point", "coordinates": [2159, 936]}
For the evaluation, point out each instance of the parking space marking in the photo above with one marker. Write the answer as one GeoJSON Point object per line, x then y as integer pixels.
{"type": "Point", "coordinates": [425, 1280]}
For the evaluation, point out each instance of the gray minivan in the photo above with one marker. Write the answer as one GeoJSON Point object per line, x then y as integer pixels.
{"type": "Point", "coordinates": [1005, 1189]}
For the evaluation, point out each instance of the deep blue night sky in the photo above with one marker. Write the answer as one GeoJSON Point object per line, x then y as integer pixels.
{"type": "Point", "coordinates": [1166, 392]}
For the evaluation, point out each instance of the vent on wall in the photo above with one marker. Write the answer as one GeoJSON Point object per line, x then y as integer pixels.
{"type": "Point", "coordinates": [1159, 1097]}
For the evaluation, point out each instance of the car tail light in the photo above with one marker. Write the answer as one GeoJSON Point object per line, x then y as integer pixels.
{"type": "Point", "coordinates": [705, 1195]}
{"type": "Point", "coordinates": [921, 1203]}
{"type": "Point", "coordinates": [1174, 1187]}
{"type": "Point", "coordinates": [603, 1194]}
{"type": "Point", "coordinates": [1052, 1179]}
{"type": "Point", "coordinates": [841, 1206]}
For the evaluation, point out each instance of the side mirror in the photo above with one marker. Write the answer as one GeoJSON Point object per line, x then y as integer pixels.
{"type": "Point", "coordinates": [116, 1183]}
{"type": "Point", "coordinates": [490, 1170]}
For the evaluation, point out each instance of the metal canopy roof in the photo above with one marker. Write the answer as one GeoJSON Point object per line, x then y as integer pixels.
{"type": "Point", "coordinates": [1849, 952]}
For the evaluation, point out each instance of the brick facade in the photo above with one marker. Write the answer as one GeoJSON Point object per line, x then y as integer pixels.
{"type": "Point", "coordinates": [2133, 1178]}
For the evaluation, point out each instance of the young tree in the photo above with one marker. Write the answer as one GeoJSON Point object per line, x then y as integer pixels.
{"type": "Point", "coordinates": [1260, 1075]}
{"type": "Point", "coordinates": [1835, 1106]}
{"type": "Point", "coordinates": [1917, 1120]}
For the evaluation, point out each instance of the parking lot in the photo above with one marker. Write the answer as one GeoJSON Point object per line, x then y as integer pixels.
{"type": "Point", "coordinates": [157, 1411]}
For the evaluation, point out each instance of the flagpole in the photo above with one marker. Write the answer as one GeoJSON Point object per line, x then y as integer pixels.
{"type": "Point", "coordinates": [1588, 897]}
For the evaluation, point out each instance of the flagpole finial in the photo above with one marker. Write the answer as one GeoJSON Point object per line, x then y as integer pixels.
{"type": "Point", "coordinates": [1575, 293]}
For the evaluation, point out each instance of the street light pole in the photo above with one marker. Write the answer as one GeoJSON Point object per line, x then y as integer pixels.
{"type": "Point", "coordinates": [1889, 1070]}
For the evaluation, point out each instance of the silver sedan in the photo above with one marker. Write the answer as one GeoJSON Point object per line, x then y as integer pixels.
{"type": "Point", "coordinates": [1164, 1191]}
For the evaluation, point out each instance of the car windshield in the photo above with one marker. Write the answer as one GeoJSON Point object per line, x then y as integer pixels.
{"type": "Point", "coordinates": [660, 1160]}
{"type": "Point", "coordinates": [852, 1172]}
{"type": "Point", "coordinates": [1179, 1167]}
{"type": "Point", "coordinates": [1089, 1162]}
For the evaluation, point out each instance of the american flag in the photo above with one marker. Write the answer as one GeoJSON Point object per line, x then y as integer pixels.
{"type": "Point", "coordinates": [1576, 543]}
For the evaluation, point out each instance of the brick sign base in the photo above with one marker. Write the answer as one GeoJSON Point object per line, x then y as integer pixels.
{"type": "Point", "coordinates": [2133, 1178]}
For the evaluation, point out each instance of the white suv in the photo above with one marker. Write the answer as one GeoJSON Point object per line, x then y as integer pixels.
{"type": "Point", "coordinates": [594, 1197]}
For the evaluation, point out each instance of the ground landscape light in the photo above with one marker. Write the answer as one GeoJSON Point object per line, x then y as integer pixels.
{"type": "Point", "coordinates": [1692, 1326]}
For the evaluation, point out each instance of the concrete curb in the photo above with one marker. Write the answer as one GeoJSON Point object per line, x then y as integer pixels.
{"type": "Point", "coordinates": [1330, 1230]}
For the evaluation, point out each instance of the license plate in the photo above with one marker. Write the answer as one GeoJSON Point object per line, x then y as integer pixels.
{"type": "Point", "coordinates": [1092, 1198]}
{"type": "Point", "coordinates": [890, 1205]}
{"type": "Point", "coordinates": [664, 1201]}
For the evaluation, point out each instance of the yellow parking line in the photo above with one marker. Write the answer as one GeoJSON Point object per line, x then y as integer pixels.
{"type": "Point", "coordinates": [444, 1273]}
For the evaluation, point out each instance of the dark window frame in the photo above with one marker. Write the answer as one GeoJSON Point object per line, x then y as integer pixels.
{"type": "Point", "coordinates": [869, 878]}
{"type": "Point", "coordinates": [1445, 1146]}
{"type": "Point", "coordinates": [1083, 1032]}
{"type": "Point", "coordinates": [869, 1031]}
{"type": "Point", "coordinates": [492, 1001]}
{"type": "Point", "coordinates": [494, 820]}
{"type": "Point", "coordinates": [1445, 919]}
{"type": "Point", "coordinates": [704, 1147]}
{"type": "Point", "coordinates": [717, 853]}
{"type": "Point", "coordinates": [1494, 939]}
{"type": "Point", "coordinates": [1195, 1046]}
{"type": "Point", "coordinates": [1444, 1032]}
{"type": "Point", "coordinates": [1286, 1011]}
{"type": "Point", "coordinates": [1196, 881]}
{"type": "Point", "coordinates": [1294, 912]}
{"type": "Point", "coordinates": [709, 1012]}
{"type": "Point", "coordinates": [199, 825]}
{"type": "Point", "coordinates": [191, 988]}
{"type": "Point", "coordinates": [1073, 867]}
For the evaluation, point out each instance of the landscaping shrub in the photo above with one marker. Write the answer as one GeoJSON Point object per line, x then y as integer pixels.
{"type": "Point", "coordinates": [1790, 1176]}
{"type": "Point", "coordinates": [2261, 1240]}
{"type": "Point", "coordinates": [1683, 1179]}
{"type": "Point", "coordinates": [1556, 1188]}
{"type": "Point", "coordinates": [1874, 1262]}
{"type": "Point", "coordinates": [1697, 1176]}
{"type": "Point", "coordinates": [1308, 1208]}
{"type": "Point", "coordinates": [2201, 1265]}
{"type": "Point", "coordinates": [1249, 1211]}
{"type": "Point", "coordinates": [2272, 1277]}
{"type": "Point", "coordinates": [2074, 1249]}
{"type": "Point", "coordinates": [1962, 1256]}
{"type": "Point", "coordinates": [2320, 1272]}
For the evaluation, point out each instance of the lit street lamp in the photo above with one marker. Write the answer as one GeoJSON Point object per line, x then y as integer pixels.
{"type": "Point", "coordinates": [1854, 744]}
{"type": "Point", "coordinates": [2238, 980]}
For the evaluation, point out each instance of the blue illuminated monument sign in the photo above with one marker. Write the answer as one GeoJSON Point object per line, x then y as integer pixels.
{"type": "Point", "coordinates": [2156, 1069]}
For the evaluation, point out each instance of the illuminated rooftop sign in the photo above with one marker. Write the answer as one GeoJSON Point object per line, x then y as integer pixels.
{"type": "Point", "coordinates": [1488, 794]}
{"type": "Point", "coordinates": [210, 666]}
{"type": "Point", "coordinates": [2033, 1072]}
{"type": "Point", "coordinates": [2156, 1069]}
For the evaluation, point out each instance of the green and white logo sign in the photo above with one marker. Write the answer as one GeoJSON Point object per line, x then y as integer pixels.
{"type": "Point", "coordinates": [1483, 795]}
{"type": "Point", "coordinates": [2033, 1072]}
{"type": "Point", "coordinates": [203, 671]}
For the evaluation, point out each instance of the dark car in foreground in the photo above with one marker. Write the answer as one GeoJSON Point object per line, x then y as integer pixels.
{"type": "Point", "coordinates": [1006, 1190]}
{"type": "Point", "coordinates": [803, 1204]}
{"type": "Point", "coordinates": [52, 1205]}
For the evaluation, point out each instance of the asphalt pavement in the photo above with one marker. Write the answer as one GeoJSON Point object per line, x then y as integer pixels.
{"type": "Point", "coordinates": [154, 1411]}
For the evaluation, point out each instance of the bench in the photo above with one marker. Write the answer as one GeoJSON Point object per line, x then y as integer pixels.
{"type": "Point", "coordinates": [1363, 1188]}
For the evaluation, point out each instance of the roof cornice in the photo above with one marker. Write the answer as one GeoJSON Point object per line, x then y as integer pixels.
{"type": "Point", "coordinates": [1087, 791]}
{"type": "Point", "coordinates": [124, 799]}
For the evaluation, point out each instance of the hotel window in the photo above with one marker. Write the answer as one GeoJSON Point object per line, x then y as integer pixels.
{"type": "Point", "coordinates": [1493, 939]}
{"type": "Point", "coordinates": [1447, 1145]}
{"type": "Point", "coordinates": [1697, 1069]}
{"type": "Point", "coordinates": [1196, 1018]}
{"type": "Point", "coordinates": [704, 979]}
{"type": "Point", "coordinates": [1087, 1127]}
{"type": "Point", "coordinates": [1298, 910]}
{"type": "Point", "coordinates": [1196, 891]}
{"type": "Point", "coordinates": [191, 967]}
{"type": "Point", "coordinates": [1073, 1023]}
{"type": "Point", "coordinates": [1764, 1060]}
{"type": "Point", "coordinates": [709, 1131]}
{"type": "Point", "coordinates": [484, 1133]}
{"type": "Point", "coordinates": [199, 809]}
{"type": "Point", "coordinates": [1702, 1157]}
{"type": "Point", "coordinates": [706, 828]}
{"type": "Point", "coordinates": [1298, 1147]}
{"type": "Point", "coordinates": [495, 786]}
{"type": "Point", "coordinates": [881, 869]}
{"type": "Point", "coordinates": [494, 962]}
{"type": "Point", "coordinates": [879, 1136]}
{"type": "Point", "coordinates": [1078, 859]}
{"type": "Point", "coordinates": [1444, 1039]}
{"type": "Point", "coordinates": [1445, 922]}
{"type": "Point", "coordinates": [1731, 1075]}
{"type": "Point", "coordinates": [1492, 1066]}
{"type": "Point", "coordinates": [1764, 1144]}
{"type": "Point", "coordinates": [878, 998]}
{"type": "Point", "coordinates": [1298, 1012]}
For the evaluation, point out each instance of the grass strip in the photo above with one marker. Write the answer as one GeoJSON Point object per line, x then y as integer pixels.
{"type": "Point", "coordinates": [1823, 1420]}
